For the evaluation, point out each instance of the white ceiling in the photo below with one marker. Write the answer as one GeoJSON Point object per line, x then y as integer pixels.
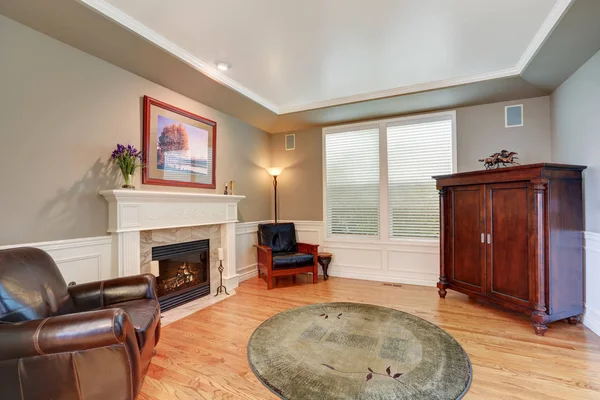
{"type": "Point", "coordinates": [298, 55]}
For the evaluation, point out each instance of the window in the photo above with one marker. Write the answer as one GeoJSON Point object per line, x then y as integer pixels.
{"type": "Point", "coordinates": [378, 177]}
{"type": "Point", "coordinates": [417, 150]}
{"type": "Point", "coordinates": [352, 188]}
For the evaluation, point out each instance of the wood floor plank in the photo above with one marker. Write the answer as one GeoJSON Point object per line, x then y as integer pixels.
{"type": "Point", "coordinates": [203, 356]}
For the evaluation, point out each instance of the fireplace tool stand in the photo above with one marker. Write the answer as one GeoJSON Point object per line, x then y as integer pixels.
{"type": "Point", "coordinates": [221, 287]}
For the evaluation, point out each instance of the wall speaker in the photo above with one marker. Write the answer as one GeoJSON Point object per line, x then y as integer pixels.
{"type": "Point", "coordinates": [513, 116]}
{"type": "Point", "coordinates": [290, 142]}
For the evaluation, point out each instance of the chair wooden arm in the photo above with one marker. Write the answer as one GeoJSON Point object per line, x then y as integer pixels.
{"type": "Point", "coordinates": [308, 248]}
{"type": "Point", "coordinates": [264, 256]}
{"type": "Point", "coordinates": [265, 249]}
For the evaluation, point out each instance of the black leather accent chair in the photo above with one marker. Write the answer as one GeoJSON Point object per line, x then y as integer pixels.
{"type": "Point", "coordinates": [279, 254]}
{"type": "Point", "coordinates": [89, 341]}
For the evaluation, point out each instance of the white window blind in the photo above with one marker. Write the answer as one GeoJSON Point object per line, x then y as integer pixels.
{"type": "Point", "coordinates": [417, 150]}
{"type": "Point", "coordinates": [352, 182]}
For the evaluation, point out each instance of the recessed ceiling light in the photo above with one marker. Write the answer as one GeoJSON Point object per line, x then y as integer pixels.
{"type": "Point", "coordinates": [223, 66]}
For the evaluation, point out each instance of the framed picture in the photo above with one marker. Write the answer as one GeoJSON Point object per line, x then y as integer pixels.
{"type": "Point", "coordinates": [179, 147]}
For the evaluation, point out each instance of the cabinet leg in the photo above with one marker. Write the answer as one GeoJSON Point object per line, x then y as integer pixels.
{"type": "Point", "coordinates": [573, 320]}
{"type": "Point", "coordinates": [442, 285]}
{"type": "Point", "coordinates": [539, 329]}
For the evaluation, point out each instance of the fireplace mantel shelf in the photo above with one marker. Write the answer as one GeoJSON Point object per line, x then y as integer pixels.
{"type": "Point", "coordinates": [139, 210]}
{"type": "Point", "coordinates": [117, 195]}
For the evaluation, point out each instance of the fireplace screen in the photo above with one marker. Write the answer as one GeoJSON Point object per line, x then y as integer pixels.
{"type": "Point", "coordinates": [184, 272]}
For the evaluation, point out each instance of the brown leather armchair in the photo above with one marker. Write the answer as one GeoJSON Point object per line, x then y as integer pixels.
{"type": "Point", "coordinates": [279, 254]}
{"type": "Point", "coordinates": [89, 341]}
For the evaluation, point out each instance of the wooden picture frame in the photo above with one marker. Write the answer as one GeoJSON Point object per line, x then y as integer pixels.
{"type": "Point", "coordinates": [180, 147]}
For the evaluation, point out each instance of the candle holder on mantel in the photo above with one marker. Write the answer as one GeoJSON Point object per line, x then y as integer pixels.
{"type": "Point", "coordinates": [221, 287]}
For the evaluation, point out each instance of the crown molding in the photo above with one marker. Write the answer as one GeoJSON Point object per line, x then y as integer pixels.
{"type": "Point", "coordinates": [207, 69]}
{"type": "Point", "coordinates": [556, 14]}
{"type": "Point", "coordinates": [420, 87]}
{"type": "Point", "coordinates": [115, 14]}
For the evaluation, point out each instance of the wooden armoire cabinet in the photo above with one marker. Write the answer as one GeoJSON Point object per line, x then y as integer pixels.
{"type": "Point", "coordinates": [513, 236]}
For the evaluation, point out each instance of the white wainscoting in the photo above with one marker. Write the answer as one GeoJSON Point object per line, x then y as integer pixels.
{"type": "Point", "coordinates": [79, 260]}
{"type": "Point", "coordinates": [591, 318]}
{"type": "Point", "coordinates": [245, 252]}
{"type": "Point", "coordinates": [409, 262]}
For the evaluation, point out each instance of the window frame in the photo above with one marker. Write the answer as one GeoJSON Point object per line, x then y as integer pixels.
{"type": "Point", "coordinates": [384, 234]}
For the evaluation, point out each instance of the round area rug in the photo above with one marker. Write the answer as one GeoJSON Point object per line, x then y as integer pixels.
{"type": "Point", "coordinates": [357, 351]}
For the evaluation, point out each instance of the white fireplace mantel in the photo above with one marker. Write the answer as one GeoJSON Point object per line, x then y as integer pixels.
{"type": "Point", "coordinates": [132, 211]}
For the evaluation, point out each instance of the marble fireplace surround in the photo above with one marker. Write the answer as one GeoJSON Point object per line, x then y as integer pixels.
{"type": "Point", "coordinates": [140, 219]}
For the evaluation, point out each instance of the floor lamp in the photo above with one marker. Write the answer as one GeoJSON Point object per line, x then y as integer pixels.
{"type": "Point", "coordinates": [275, 172]}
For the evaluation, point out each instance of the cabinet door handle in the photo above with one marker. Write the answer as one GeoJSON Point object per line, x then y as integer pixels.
{"type": "Point", "coordinates": [482, 238]}
{"type": "Point", "coordinates": [489, 235]}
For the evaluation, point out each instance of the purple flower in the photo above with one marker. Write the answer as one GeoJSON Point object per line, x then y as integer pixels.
{"type": "Point", "coordinates": [128, 158]}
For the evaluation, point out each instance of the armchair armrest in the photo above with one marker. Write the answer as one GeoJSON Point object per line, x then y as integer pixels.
{"type": "Point", "coordinates": [95, 295]}
{"type": "Point", "coordinates": [68, 333]}
{"type": "Point", "coordinates": [264, 255]}
{"type": "Point", "coordinates": [308, 248]}
{"type": "Point", "coordinates": [264, 249]}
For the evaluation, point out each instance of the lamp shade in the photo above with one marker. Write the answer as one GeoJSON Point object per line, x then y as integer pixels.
{"type": "Point", "coordinates": [275, 171]}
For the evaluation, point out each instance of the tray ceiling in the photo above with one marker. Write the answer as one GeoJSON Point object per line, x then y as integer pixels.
{"type": "Point", "coordinates": [292, 56]}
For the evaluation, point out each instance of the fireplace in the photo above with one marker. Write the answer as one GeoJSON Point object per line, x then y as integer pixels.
{"type": "Point", "coordinates": [184, 272]}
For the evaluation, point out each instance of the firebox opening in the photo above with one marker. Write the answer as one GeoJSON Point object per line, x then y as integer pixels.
{"type": "Point", "coordinates": [184, 272]}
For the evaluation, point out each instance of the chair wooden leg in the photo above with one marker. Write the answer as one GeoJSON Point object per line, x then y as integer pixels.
{"type": "Point", "coordinates": [316, 275]}
{"type": "Point", "coordinates": [270, 281]}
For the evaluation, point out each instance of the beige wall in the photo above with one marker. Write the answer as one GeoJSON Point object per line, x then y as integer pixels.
{"type": "Point", "coordinates": [576, 132]}
{"type": "Point", "coordinates": [480, 132]}
{"type": "Point", "coordinates": [300, 185]}
{"type": "Point", "coordinates": [62, 112]}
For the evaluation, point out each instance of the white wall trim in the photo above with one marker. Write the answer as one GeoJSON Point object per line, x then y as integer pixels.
{"type": "Point", "coordinates": [414, 262]}
{"type": "Point", "coordinates": [381, 278]}
{"type": "Point", "coordinates": [591, 317]}
{"type": "Point", "coordinates": [211, 71]}
{"type": "Point", "coordinates": [64, 243]}
{"type": "Point", "coordinates": [79, 260]}
{"type": "Point", "coordinates": [251, 273]}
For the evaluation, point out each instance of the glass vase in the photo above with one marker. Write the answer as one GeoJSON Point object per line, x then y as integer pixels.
{"type": "Point", "coordinates": [128, 182]}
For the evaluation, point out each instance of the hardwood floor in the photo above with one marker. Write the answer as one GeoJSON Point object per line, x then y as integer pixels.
{"type": "Point", "coordinates": [203, 356]}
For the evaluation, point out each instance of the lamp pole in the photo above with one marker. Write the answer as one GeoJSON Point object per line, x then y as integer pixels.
{"type": "Point", "coordinates": [275, 188]}
{"type": "Point", "coordinates": [275, 171]}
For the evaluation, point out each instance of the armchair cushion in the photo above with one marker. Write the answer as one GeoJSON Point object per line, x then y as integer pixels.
{"type": "Point", "coordinates": [279, 237]}
{"type": "Point", "coordinates": [145, 316]}
{"type": "Point", "coordinates": [292, 260]}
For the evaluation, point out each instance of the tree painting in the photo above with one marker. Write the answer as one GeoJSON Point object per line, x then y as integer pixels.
{"type": "Point", "coordinates": [181, 147]}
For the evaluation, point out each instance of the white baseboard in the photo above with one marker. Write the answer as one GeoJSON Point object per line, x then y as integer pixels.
{"type": "Point", "coordinates": [79, 260]}
{"type": "Point", "coordinates": [591, 318]}
{"type": "Point", "coordinates": [249, 274]}
{"type": "Point", "coordinates": [383, 278]}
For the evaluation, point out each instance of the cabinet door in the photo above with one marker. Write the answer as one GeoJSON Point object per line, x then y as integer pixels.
{"type": "Point", "coordinates": [467, 250]}
{"type": "Point", "coordinates": [508, 206]}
